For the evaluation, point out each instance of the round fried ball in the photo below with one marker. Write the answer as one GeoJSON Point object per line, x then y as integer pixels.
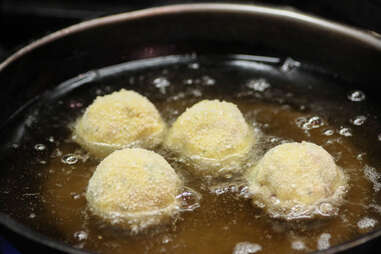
{"type": "Point", "coordinates": [297, 180]}
{"type": "Point", "coordinates": [213, 136]}
{"type": "Point", "coordinates": [119, 120]}
{"type": "Point", "coordinates": [134, 188]}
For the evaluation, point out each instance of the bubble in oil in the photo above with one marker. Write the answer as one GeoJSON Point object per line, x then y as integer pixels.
{"type": "Point", "coordinates": [379, 137]}
{"type": "Point", "coordinates": [208, 81]}
{"type": "Point", "coordinates": [346, 132]}
{"type": "Point", "coordinates": [188, 81]}
{"type": "Point", "coordinates": [80, 235]}
{"type": "Point", "coordinates": [161, 83]}
{"type": "Point", "coordinates": [358, 120]}
{"type": "Point", "coordinates": [328, 132]}
{"type": "Point", "coordinates": [297, 211]}
{"type": "Point", "coordinates": [274, 139]}
{"type": "Point", "coordinates": [274, 200]}
{"type": "Point", "coordinates": [166, 239]}
{"type": "Point", "coordinates": [373, 176]}
{"type": "Point", "coordinates": [98, 92]}
{"type": "Point", "coordinates": [259, 85]}
{"type": "Point", "coordinates": [376, 207]}
{"type": "Point", "coordinates": [298, 245]}
{"type": "Point", "coordinates": [75, 104]}
{"type": "Point", "coordinates": [131, 80]}
{"type": "Point", "coordinates": [39, 147]}
{"type": "Point", "coordinates": [244, 192]}
{"type": "Point", "coordinates": [189, 199]}
{"type": "Point", "coordinates": [360, 156]}
{"type": "Point", "coordinates": [323, 241]}
{"type": "Point", "coordinates": [196, 93]}
{"type": "Point", "coordinates": [177, 97]}
{"type": "Point", "coordinates": [30, 120]}
{"type": "Point", "coordinates": [75, 195]}
{"type": "Point", "coordinates": [238, 187]}
{"type": "Point", "coordinates": [309, 123]}
{"type": "Point", "coordinates": [70, 159]}
{"type": "Point", "coordinates": [366, 223]}
{"type": "Point", "coordinates": [356, 96]}
{"type": "Point", "coordinates": [194, 66]}
{"type": "Point", "coordinates": [246, 248]}
{"type": "Point", "coordinates": [326, 209]}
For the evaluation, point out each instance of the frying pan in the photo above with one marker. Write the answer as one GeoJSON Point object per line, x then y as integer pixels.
{"type": "Point", "coordinates": [352, 54]}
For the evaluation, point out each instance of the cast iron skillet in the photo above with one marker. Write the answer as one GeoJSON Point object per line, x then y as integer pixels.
{"type": "Point", "coordinates": [347, 52]}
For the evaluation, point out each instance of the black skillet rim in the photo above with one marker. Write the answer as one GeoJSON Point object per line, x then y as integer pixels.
{"type": "Point", "coordinates": [348, 31]}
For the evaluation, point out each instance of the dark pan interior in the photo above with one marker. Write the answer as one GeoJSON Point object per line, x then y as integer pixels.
{"type": "Point", "coordinates": [215, 29]}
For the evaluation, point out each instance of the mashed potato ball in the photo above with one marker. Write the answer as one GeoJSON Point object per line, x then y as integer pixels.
{"type": "Point", "coordinates": [297, 180]}
{"type": "Point", "coordinates": [119, 120]}
{"type": "Point", "coordinates": [213, 136]}
{"type": "Point", "coordinates": [134, 188]}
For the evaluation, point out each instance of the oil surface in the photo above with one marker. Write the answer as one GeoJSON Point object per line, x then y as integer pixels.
{"type": "Point", "coordinates": [281, 100]}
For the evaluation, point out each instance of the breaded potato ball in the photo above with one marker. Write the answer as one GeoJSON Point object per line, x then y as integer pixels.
{"type": "Point", "coordinates": [297, 180]}
{"type": "Point", "coordinates": [213, 136]}
{"type": "Point", "coordinates": [119, 120]}
{"type": "Point", "coordinates": [134, 189]}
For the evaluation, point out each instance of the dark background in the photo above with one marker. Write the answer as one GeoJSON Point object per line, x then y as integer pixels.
{"type": "Point", "coordinates": [22, 21]}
